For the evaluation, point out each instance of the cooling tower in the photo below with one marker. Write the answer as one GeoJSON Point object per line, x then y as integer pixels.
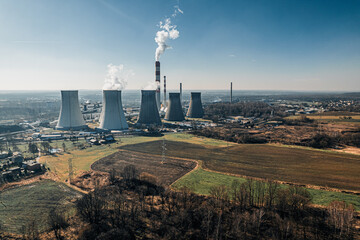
{"type": "Point", "coordinates": [70, 115]}
{"type": "Point", "coordinates": [112, 115]}
{"type": "Point", "coordinates": [195, 108]}
{"type": "Point", "coordinates": [157, 80]}
{"type": "Point", "coordinates": [174, 111]}
{"type": "Point", "coordinates": [149, 113]}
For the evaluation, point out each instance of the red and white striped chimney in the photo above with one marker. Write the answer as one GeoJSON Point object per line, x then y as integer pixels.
{"type": "Point", "coordinates": [164, 91]}
{"type": "Point", "coordinates": [157, 79]}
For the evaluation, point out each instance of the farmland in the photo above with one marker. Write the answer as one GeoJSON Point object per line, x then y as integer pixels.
{"type": "Point", "coordinates": [298, 165]}
{"type": "Point", "coordinates": [21, 205]}
{"type": "Point", "coordinates": [333, 117]}
{"type": "Point", "coordinates": [166, 172]}
{"type": "Point", "coordinates": [82, 159]}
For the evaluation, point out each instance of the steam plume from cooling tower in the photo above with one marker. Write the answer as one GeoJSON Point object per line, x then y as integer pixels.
{"type": "Point", "coordinates": [117, 77]}
{"type": "Point", "coordinates": [168, 31]}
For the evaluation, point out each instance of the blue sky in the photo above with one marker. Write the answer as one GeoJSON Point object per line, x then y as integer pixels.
{"type": "Point", "coordinates": [262, 45]}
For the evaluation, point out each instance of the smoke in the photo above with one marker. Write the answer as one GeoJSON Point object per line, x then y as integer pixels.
{"type": "Point", "coordinates": [151, 86]}
{"type": "Point", "coordinates": [168, 31]}
{"type": "Point", "coordinates": [117, 77]}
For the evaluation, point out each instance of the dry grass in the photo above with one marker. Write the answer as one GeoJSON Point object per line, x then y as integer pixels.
{"type": "Point", "coordinates": [166, 171]}
{"type": "Point", "coordinates": [302, 166]}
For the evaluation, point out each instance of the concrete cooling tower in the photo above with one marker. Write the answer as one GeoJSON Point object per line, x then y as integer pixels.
{"type": "Point", "coordinates": [174, 111]}
{"type": "Point", "coordinates": [70, 115]}
{"type": "Point", "coordinates": [149, 113]}
{"type": "Point", "coordinates": [112, 115]}
{"type": "Point", "coordinates": [195, 109]}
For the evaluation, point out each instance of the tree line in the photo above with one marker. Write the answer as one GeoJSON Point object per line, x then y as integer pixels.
{"type": "Point", "coordinates": [134, 208]}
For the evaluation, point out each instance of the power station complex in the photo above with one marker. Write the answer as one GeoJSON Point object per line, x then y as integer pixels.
{"type": "Point", "coordinates": [112, 116]}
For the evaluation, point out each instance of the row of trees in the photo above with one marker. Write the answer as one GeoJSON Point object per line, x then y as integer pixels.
{"type": "Point", "coordinates": [218, 111]}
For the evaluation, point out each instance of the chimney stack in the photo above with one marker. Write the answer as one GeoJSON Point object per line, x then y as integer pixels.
{"type": "Point", "coordinates": [157, 79]}
{"type": "Point", "coordinates": [180, 92]}
{"type": "Point", "coordinates": [164, 92]}
{"type": "Point", "coordinates": [231, 93]}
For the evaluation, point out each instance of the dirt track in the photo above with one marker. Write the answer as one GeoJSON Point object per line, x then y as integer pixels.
{"type": "Point", "coordinates": [167, 172]}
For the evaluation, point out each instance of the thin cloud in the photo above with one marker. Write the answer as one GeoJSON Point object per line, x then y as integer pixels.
{"type": "Point", "coordinates": [120, 13]}
{"type": "Point", "coordinates": [36, 41]}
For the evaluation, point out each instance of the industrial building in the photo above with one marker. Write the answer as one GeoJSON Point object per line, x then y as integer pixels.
{"type": "Point", "coordinates": [149, 113]}
{"type": "Point", "coordinates": [70, 114]}
{"type": "Point", "coordinates": [112, 115]}
{"type": "Point", "coordinates": [195, 109]}
{"type": "Point", "coordinates": [174, 111]}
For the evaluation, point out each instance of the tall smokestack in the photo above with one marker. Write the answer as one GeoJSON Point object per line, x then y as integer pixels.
{"type": "Point", "coordinates": [164, 91]}
{"type": "Point", "coordinates": [230, 97]}
{"type": "Point", "coordinates": [112, 115]}
{"type": "Point", "coordinates": [180, 92]}
{"type": "Point", "coordinates": [195, 109]}
{"type": "Point", "coordinates": [174, 112]}
{"type": "Point", "coordinates": [149, 113]}
{"type": "Point", "coordinates": [157, 79]}
{"type": "Point", "coordinates": [70, 114]}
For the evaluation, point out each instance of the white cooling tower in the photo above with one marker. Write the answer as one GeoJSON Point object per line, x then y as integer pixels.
{"type": "Point", "coordinates": [112, 115]}
{"type": "Point", "coordinates": [70, 117]}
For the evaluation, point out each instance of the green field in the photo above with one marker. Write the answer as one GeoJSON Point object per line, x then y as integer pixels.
{"type": "Point", "coordinates": [200, 181]}
{"type": "Point", "coordinates": [21, 205]}
{"type": "Point", "coordinates": [298, 165]}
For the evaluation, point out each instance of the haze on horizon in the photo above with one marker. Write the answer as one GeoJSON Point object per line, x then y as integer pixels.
{"type": "Point", "coordinates": [258, 45]}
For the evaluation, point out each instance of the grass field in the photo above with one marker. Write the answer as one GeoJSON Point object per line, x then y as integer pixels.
{"type": "Point", "coordinates": [302, 166]}
{"type": "Point", "coordinates": [336, 117]}
{"type": "Point", "coordinates": [82, 159]}
{"type": "Point", "coordinates": [21, 205]}
{"type": "Point", "coordinates": [200, 181]}
{"type": "Point", "coordinates": [166, 172]}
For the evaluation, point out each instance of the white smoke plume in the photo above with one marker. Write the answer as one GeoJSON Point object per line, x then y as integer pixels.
{"type": "Point", "coordinates": [168, 31]}
{"type": "Point", "coordinates": [151, 86]}
{"type": "Point", "coordinates": [117, 77]}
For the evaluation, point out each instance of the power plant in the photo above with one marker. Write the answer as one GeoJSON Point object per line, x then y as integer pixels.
{"type": "Point", "coordinates": [149, 113]}
{"type": "Point", "coordinates": [195, 109]}
{"type": "Point", "coordinates": [174, 111]}
{"type": "Point", "coordinates": [157, 80]}
{"type": "Point", "coordinates": [112, 115]}
{"type": "Point", "coordinates": [70, 114]}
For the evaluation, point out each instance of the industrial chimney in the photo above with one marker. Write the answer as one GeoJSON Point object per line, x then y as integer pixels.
{"type": "Point", "coordinates": [164, 92]}
{"type": "Point", "coordinates": [195, 109]}
{"type": "Point", "coordinates": [174, 111]}
{"type": "Point", "coordinates": [149, 113]}
{"type": "Point", "coordinates": [157, 80]}
{"type": "Point", "coordinates": [112, 115]}
{"type": "Point", "coordinates": [70, 115]}
{"type": "Point", "coordinates": [180, 92]}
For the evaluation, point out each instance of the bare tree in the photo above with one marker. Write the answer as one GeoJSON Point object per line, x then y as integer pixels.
{"type": "Point", "coordinates": [91, 207]}
{"type": "Point", "coordinates": [57, 222]}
